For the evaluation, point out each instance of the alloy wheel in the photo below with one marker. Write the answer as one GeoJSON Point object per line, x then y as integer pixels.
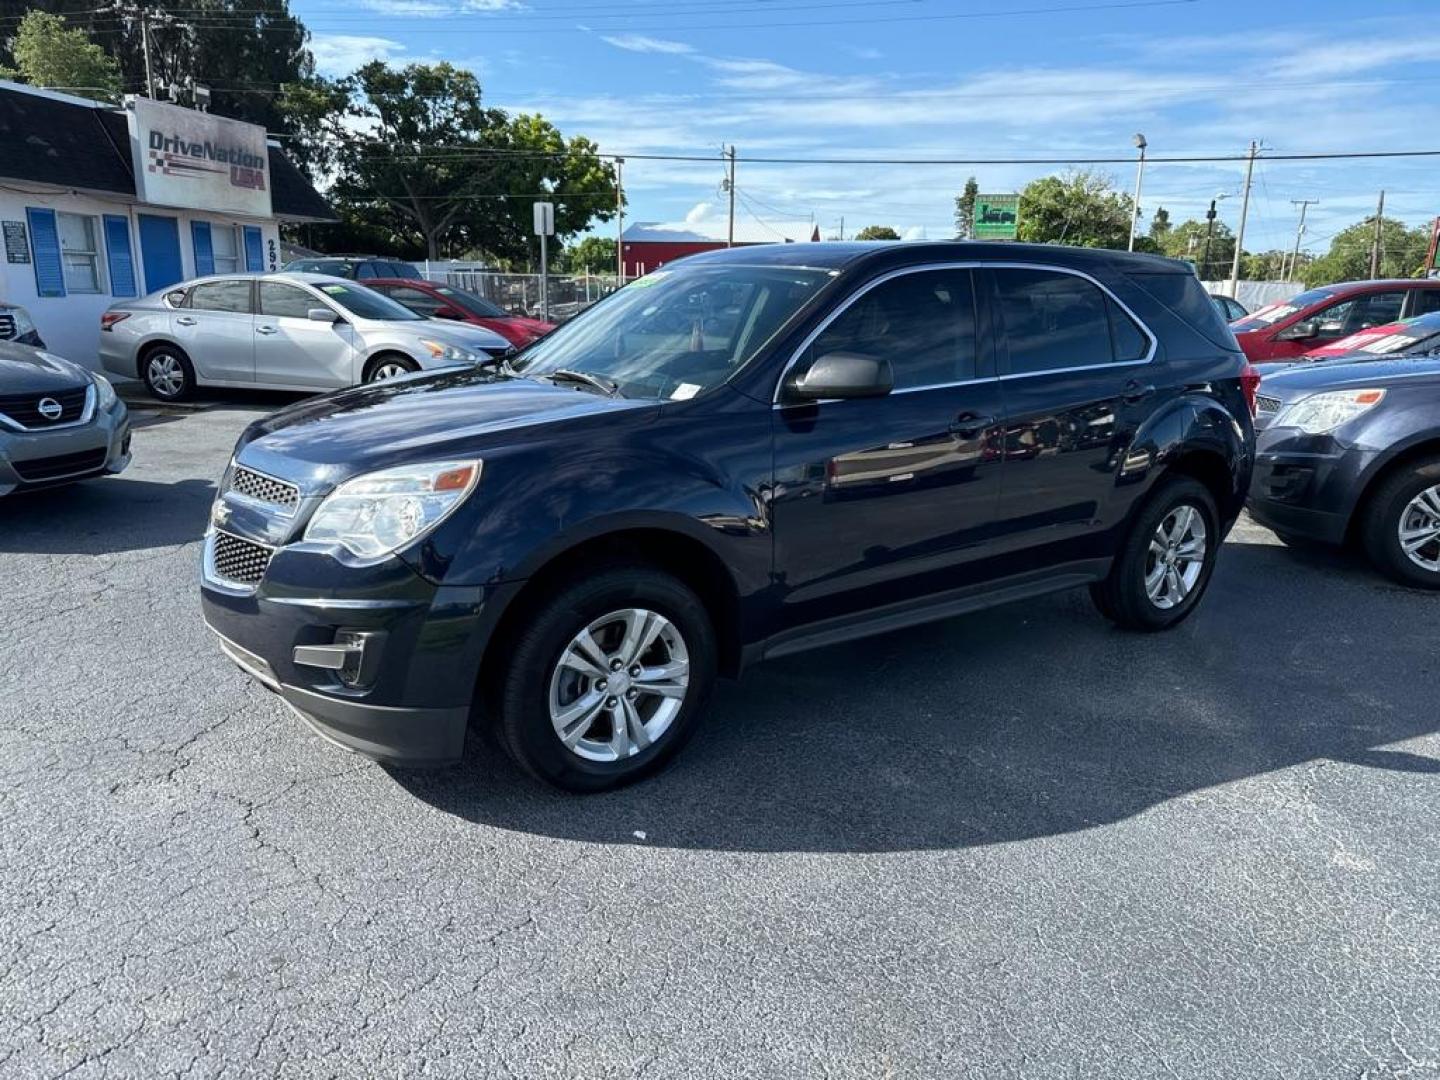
{"type": "Point", "coordinates": [619, 685]}
{"type": "Point", "coordinates": [1419, 529]}
{"type": "Point", "coordinates": [1176, 558]}
{"type": "Point", "coordinates": [389, 370]}
{"type": "Point", "coordinates": [165, 374]}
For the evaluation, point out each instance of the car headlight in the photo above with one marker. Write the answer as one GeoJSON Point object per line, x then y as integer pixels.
{"type": "Point", "coordinates": [441, 351]}
{"type": "Point", "coordinates": [375, 514]}
{"type": "Point", "coordinates": [104, 392]}
{"type": "Point", "coordinates": [1320, 414]}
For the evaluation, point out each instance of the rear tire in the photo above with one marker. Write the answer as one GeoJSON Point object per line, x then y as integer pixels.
{"type": "Point", "coordinates": [167, 373]}
{"type": "Point", "coordinates": [1166, 560]}
{"type": "Point", "coordinates": [568, 679]}
{"type": "Point", "coordinates": [1409, 501]}
{"type": "Point", "coordinates": [389, 366]}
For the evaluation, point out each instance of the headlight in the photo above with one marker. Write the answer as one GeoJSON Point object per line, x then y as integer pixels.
{"type": "Point", "coordinates": [374, 514]}
{"type": "Point", "coordinates": [104, 393]}
{"type": "Point", "coordinates": [1323, 413]}
{"type": "Point", "coordinates": [440, 351]}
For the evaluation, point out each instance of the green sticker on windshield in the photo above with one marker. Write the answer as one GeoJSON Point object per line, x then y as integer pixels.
{"type": "Point", "coordinates": [333, 290]}
{"type": "Point", "coordinates": [652, 278]}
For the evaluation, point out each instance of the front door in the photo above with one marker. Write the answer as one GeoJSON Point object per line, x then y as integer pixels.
{"type": "Point", "coordinates": [291, 349]}
{"type": "Point", "coordinates": [1077, 382]}
{"type": "Point", "coordinates": [216, 329]}
{"type": "Point", "coordinates": [886, 499]}
{"type": "Point", "coordinates": [160, 251]}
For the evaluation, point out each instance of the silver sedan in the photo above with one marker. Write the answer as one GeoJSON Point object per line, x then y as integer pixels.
{"type": "Point", "coordinates": [289, 331]}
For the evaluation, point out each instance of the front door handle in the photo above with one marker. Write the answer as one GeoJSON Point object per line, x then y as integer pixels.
{"type": "Point", "coordinates": [185, 320]}
{"type": "Point", "coordinates": [265, 329]}
{"type": "Point", "coordinates": [969, 425]}
{"type": "Point", "coordinates": [1136, 391]}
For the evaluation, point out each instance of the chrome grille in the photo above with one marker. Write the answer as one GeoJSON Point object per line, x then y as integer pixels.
{"type": "Point", "coordinates": [24, 409]}
{"type": "Point", "coordinates": [265, 489]}
{"type": "Point", "coordinates": [239, 560]}
{"type": "Point", "coordinates": [1265, 404]}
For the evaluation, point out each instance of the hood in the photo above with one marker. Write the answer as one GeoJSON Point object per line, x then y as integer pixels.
{"type": "Point", "coordinates": [464, 335]}
{"type": "Point", "coordinates": [24, 369]}
{"type": "Point", "coordinates": [455, 412]}
{"type": "Point", "coordinates": [1312, 378]}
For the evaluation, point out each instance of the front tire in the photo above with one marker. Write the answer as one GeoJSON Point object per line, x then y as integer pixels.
{"type": "Point", "coordinates": [390, 366]}
{"type": "Point", "coordinates": [1401, 527]}
{"type": "Point", "coordinates": [607, 679]}
{"type": "Point", "coordinates": [167, 373]}
{"type": "Point", "coordinates": [1165, 563]}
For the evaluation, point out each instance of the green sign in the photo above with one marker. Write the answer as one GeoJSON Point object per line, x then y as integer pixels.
{"type": "Point", "coordinates": [997, 217]}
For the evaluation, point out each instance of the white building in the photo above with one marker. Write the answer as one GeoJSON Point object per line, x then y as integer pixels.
{"type": "Point", "coordinates": [99, 204]}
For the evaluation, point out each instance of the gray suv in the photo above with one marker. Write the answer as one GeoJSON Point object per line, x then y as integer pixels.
{"type": "Point", "coordinates": [58, 422]}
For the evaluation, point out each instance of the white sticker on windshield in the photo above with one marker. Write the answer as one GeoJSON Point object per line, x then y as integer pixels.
{"type": "Point", "coordinates": [685, 391]}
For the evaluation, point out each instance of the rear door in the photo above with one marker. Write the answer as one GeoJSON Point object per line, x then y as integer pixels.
{"type": "Point", "coordinates": [291, 349]}
{"type": "Point", "coordinates": [1078, 378]}
{"type": "Point", "coordinates": [216, 330]}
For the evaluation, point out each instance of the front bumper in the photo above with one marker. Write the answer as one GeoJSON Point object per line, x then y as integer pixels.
{"type": "Point", "coordinates": [1305, 485]}
{"type": "Point", "coordinates": [45, 458]}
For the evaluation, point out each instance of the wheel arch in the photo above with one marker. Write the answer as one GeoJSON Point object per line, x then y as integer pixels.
{"type": "Point", "coordinates": [142, 353]}
{"type": "Point", "coordinates": [1197, 437]}
{"type": "Point", "coordinates": [1421, 447]}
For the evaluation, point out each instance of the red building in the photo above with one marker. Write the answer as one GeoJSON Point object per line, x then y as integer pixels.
{"type": "Point", "coordinates": [647, 245]}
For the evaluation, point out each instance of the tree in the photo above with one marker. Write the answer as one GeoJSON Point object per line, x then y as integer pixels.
{"type": "Point", "coordinates": [48, 54]}
{"type": "Point", "coordinates": [1080, 208]}
{"type": "Point", "coordinates": [877, 232]}
{"type": "Point", "coordinates": [965, 210]}
{"type": "Point", "coordinates": [1160, 226]}
{"type": "Point", "coordinates": [1212, 258]}
{"type": "Point", "coordinates": [1402, 253]}
{"type": "Point", "coordinates": [592, 255]}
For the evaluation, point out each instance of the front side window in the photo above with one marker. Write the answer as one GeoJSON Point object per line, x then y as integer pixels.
{"type": "Point", "coordinates": [367, 303]}
{"type": "Point", "coordinates": [1053, 321]}
{"type": "Point", "coordinates": [478, 305]}
{"type": "Point", "coordinates": [221, 296]}
{"type": "Point", "coordinates": [1425, 302]}
{"type": "Point", "coordinates": [418, 301]}
{"type": "Point", "coordinates": [79, 253]}
{"type": "Point", "coordinates": [225, 246]}
{"type": "Point", "coordinates": [922, 323]}
{"type": "Point", "coordinates": [285, 301]}
{"type": "Point", "coordinates": [675, 333]}
{"type": "Point", "coordinates": [1358, 313]}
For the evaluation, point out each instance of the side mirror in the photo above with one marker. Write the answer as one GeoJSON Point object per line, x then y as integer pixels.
{"type": "Point", "coordinates": [844, 375]}
{"type": "Point", "coordinates": [446, 313]}
{"type": "Point", "coordinates": [1303, 330]}
{"type": "Point", "coordinates": [321, 314]}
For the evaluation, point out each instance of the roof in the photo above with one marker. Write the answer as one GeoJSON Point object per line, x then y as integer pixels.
{"type": "Point", "coordinates": [48, 138]}
{"type": "Point", "coordinates": [834, 255]}
{"type": "Point", "coordinates": [717, 231]}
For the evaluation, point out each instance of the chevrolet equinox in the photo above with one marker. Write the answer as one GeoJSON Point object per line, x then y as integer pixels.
{"type": "Point", "coordinates": [746, 454]}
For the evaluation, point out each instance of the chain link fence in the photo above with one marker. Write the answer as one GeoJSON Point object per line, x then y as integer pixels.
{"type": "Point", "coordinates": [520, 293]}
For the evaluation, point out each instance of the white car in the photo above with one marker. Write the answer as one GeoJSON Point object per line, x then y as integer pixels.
{"type": "Point", "coordinates": [289, 331]}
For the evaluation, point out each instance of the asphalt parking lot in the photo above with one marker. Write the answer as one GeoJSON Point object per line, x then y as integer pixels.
{"type": "Point", "coordinates": [1017, 844]}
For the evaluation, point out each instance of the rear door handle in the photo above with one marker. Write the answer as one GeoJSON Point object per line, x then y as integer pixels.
{"type": "Point", "coordinates": [1135, 391]}
{"type": "Point", "coordinates": [265, 329]}
{"type": "Point", "coordinates": [185, 320]}
{"type": "Point", "coordinates": [969, 425]}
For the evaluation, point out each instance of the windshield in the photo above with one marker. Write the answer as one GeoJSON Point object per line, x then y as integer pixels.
{"type": "Point", "coordinates": [476, 305]}
{"type": "Point", "coordinates": [675, 333]}
{"type": "Point", "coordinates": [1270, 314]}
{"type": "Point", "coordinates": [367, 303]}
{"type": "Point", "coordinates": [1418, 334]}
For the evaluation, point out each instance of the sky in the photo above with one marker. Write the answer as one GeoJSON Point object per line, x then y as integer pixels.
{"type": "Point", "coordinates": [952, 79]}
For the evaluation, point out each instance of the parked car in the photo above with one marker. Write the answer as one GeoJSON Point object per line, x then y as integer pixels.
{"type": "Point", "coordinates": [1303, 323]}
{"type": "Point", "coordinates": [58, 422]}
{"type": "Point", "coordinates": [436, 301]}
{"type": "Point", "coordinates": [1413, 336]}
{"type": "Point", "coordinates": [355, 267]}
{"type": "Point", "coordinates": [1351, 451]}
{"type": "Point", "coordinates": [278, 332]}
{"type": "Point", "coordinates": [17, 326]}
{"type": "Point", "coordinates": [1230, 309]}
{"type": "Point", "coordinates": [759, 451]}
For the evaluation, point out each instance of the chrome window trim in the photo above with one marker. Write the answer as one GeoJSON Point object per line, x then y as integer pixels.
{"type": "Point", "coordinates": [87, 413]}
{"type": "Point", "coordinates": [776, 403]}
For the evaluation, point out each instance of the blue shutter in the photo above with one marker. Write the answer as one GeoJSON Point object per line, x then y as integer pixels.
{"type": "Point", "coordinates": [254, 249]}
{"type": "Point", "coordinates": [204, 252]}
{"type": "Point", "coordinates": [45, 241]}
{"type": "Point", "coordinates": [119, 257]}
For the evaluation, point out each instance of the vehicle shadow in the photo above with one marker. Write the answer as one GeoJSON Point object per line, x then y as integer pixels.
{"type": "Point", "coordinates": [106, 515]}
{"type": "Point", "coordinates": [1029, 720]}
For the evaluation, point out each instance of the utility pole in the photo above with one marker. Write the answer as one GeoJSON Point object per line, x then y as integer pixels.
{"type": "Point", "coordinates": [1304, 205]}
{"type": "Point", "coordinates": [1244, 213]}
{"type": "Point", "coordinates": [142, 15]}
{"type": "Point", "coordinates": [1379, 237]}
{"type": "Point", "coordinates": [842, 226]}
{"type": "Point", "coordinates": [730, 185]}
{"type": "Point", "coordinates": [1140, 145]}
{"type": "Point", "coordinates": [619, 222]}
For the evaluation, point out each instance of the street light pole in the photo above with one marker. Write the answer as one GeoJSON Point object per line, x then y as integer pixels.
{"type": "Point", "coordinates": [1140, 145]}
{"type": "Point", "coordinates": [1244, 213]}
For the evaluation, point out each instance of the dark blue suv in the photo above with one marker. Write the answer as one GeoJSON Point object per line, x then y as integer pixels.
{"type": "Point", "coordinates": [744, 455]}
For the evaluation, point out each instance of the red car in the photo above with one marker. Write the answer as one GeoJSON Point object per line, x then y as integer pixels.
{"type": "Point", "coordinates": [437, 301]}
{"type": "Point", "coordinates": [1320, 316]}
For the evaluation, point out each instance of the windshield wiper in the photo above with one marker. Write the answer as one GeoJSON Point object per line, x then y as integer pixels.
{"type": "Point", "coordinates": [608, 387]}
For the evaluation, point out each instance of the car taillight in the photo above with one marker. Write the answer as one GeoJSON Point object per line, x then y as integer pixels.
{"type": "Point", "coordinates": [1249, 385]}
{"type": "Point", "coordinates": [110, 318]}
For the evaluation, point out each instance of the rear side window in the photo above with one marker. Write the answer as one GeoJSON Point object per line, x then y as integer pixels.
{"type": "Point", "coordinates": [1054, 321]}
{"type": "Point", "coordinates": [221, 296]}
{"type": "Point", "coordinates": [1187, 299]}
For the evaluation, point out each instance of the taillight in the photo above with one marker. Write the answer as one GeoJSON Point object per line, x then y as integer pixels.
{"type": "Point", "coordinates": [1249, 385]}
{"type": "Point", "coordinates": [110, 318]}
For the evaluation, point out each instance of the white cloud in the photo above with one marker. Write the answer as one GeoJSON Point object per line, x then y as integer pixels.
{"type": "Point", "coordinates": [642, 44]}
{"type": "Point", "coordinates": [698, 213]}
{"type": "Point", "coordinates": [340, 54]}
